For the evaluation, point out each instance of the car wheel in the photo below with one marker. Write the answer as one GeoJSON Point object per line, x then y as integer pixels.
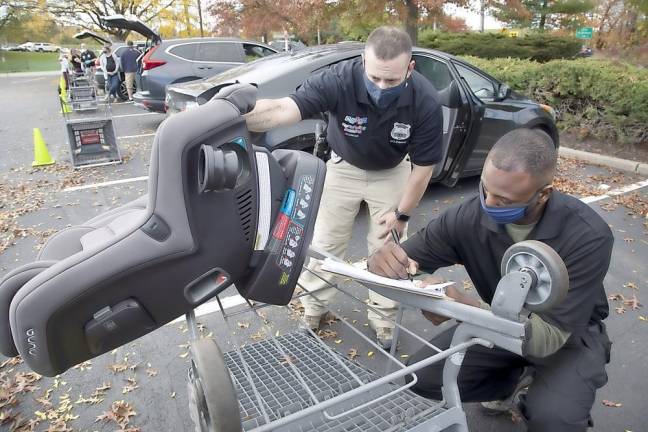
{"type": "Point", "coordinates": [40, 50]}
{"type": "Point", "coordinates": [123, 92]}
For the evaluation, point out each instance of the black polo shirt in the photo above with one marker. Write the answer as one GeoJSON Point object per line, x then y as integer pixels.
{"type": "Point", "coordinates": [464, 234]}
{"type": "Point", "coordinates": [368, 137]}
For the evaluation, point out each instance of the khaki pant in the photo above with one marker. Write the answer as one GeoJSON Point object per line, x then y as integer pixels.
{"type": "Point", "coordinates": [129, 77]}
{"type": "Point", "coordinates": [345, 188]}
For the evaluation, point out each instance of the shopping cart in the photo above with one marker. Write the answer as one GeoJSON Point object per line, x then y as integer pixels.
{"type": "Point", "coordinates": [293, 380]}
{"type": "Point", "coordinates": [82, 93]}
{"type": "Point", "coordinates": [90, 130]}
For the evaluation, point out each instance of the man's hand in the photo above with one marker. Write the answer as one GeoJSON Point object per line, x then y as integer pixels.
{"type": "Point", "coordinates": [391, 261]}
{"type": "Point", "coordinates": [242, 96]}
{"type": "Point", "coordinates": [452, 292]}
{"type": "Point", "coordinates": [388, 221]}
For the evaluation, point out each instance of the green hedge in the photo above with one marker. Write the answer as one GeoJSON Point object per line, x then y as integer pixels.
{"type": "Point", "coordinates": [606, 99]}
{"type": "Point", "coordinates": [535, 46]}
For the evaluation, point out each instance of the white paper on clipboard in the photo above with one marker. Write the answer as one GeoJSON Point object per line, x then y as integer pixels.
{"type": "Point", "coordinates": [364, 276]}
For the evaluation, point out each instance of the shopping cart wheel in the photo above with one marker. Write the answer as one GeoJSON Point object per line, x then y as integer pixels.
{"type": "Point", "coordinates": [212, 400]}
{"type": "Point", "coordinates": [548, 270]}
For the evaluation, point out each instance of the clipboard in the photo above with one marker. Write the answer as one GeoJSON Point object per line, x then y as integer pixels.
{"type": "Point", "coordinates": [367, 278]}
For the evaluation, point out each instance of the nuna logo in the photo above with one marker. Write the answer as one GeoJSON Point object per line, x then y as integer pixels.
{"type": "Point", "coordinates": [31, 341]}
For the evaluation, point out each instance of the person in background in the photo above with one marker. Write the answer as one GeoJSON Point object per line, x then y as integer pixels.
{"type": "Point", "coordinates": [65, 67]}
{"type": "Point", "coordinates": [110, 66]}
{"type": "Point", "coordinates": [129, 66]}
{"type": "Point", "coordinates": [88, 61]}
{"type": "Point", "coordinates": [75, 61]}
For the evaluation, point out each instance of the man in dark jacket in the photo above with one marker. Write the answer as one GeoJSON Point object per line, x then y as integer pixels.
{"type": "Point", "coordinates": [568, 346]}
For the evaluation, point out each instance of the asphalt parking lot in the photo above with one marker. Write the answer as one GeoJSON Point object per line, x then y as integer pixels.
{"type": "Point", "coordinates": [150, 374]}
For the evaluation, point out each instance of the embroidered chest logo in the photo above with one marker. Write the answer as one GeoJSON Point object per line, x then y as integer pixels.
{"type": "Point", "coordinates": [353, 125]}
{"type": "Point", "coordinates": [401, 131]}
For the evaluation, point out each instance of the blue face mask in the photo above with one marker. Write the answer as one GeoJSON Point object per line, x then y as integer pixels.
{"type": "Point", "coordinates": [382, 98]}
{"type": "Point", "coordinates": [506, 214]}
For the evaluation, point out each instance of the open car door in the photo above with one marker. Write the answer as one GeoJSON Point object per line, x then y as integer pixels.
{"type": "Point", "coordinates": [461, 116]}
{"type": "Point", "coordinates": [91, 35]}
{"type": "Point", "coordinates": [132, 24]}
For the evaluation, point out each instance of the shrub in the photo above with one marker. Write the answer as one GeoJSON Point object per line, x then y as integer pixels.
{"type": "Point", "coordinates": [604, 98]}
{"type": "Point", "coordinates": [535, 46]}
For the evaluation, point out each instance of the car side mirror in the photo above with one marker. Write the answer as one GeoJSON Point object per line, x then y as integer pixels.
{"type": "Point", "coordinates": [503, 91]}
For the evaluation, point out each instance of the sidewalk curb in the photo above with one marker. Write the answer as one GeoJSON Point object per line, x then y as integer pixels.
{"type": "Point", "coordinates": [608, 161]}
{"type": "Point", "coordinates": [28, 74]}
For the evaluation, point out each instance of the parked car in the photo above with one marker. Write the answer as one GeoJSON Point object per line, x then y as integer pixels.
{"type": "Point", "coordinates": [287, 45]}
{"type": "Point", "coordinates": [45, 47]}
{"type": "Point", "coordinates": [477, 108]}
{"type": "Point", "coordinates": [118, 48]}
{"type": "Point", "coordinates": [27, 46]}
{"type": "Point", "coordinates": [180, 60]}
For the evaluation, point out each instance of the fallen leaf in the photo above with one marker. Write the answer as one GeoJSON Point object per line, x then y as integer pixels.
{"type": "Point", "coordinates": [118, 367]}
{"type": "Point", "coordinates": [619, 309]}
{"type": "Point", "coordinates": [184, 355]}
{"type": "Point", "coordinates": [327, 334]}
{"type": "Point", "coordinates": [151, 372]}
{"type": "Point", "coordinates": [632, 303]}
{"type": "Point", "coordinates": [287, 359]}
{"type": "Point", "coordinates": [338, 341]}
{"type": "Point", "coordinates": [611, 404]}
{"type": "Point", "coordinates": [352, 354]}
{"type": "Point", "coordinates": [370, 353]}
{"type": "Point", "coordinates": [243, 325]}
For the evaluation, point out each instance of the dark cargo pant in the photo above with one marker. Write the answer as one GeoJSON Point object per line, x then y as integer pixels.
{"type": "Point", "coordinates": [563, 389]}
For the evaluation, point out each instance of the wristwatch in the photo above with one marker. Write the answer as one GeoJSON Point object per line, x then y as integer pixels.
{"type": "Point", "coordinates": [400, 216]}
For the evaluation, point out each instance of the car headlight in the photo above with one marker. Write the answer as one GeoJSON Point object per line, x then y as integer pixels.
{"type": "Point", "coordinates": [549, 110]}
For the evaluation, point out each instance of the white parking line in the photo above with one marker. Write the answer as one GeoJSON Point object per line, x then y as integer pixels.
{"type": "Point", "coordinates": [615, 192]}
{"type": "Point", "coordinates": [136, 136]}
{"type": "Point", "coordinates": [108, 183]}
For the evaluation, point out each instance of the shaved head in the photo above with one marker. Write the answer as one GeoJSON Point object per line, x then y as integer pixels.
{"type": "Point", "coordinates": [526, 150]}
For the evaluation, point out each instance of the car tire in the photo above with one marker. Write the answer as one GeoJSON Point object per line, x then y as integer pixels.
{"type": "Point", "coordinates": [40, 50]}
{"type": "Point", "coordinates": [123, 92]}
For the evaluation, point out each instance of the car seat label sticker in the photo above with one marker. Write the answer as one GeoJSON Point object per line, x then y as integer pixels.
{"type": "Point", "coordinates": [303, 200]}
{"type": "Point", "coordinates": [288, 202]}
{"type": "Point", "coordinates": [289, 253]}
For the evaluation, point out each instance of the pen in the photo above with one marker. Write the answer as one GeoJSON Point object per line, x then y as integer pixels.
{"type": "Point", "coordinates": [396, 238]}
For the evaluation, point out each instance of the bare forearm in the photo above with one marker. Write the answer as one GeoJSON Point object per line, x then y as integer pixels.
{"type": "Point", "coordinates": [271, 113]}
{"type": "Point", "coordinates": [416, 187]}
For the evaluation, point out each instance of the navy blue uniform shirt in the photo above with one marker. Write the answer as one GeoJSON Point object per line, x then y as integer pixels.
{"type": "Point", "coordinates": [128, 60]}
{"type": "Point", "coordinates": [366, 136]}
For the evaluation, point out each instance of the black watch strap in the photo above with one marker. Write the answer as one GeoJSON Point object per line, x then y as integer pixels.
{"type": "Point", "coordinates": [403, 217]}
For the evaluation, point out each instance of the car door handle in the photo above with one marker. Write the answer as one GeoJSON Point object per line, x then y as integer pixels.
{"type": "Point", "coordinates": [205, 67]}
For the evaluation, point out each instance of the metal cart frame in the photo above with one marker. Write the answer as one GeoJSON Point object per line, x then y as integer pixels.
{"type": "Point", "coordinates": [534, 278]}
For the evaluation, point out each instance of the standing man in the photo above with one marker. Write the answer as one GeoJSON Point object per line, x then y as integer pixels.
{"type": "Point", "coordinates": [567, 347]}
{"type": "Point", "coordinates": [380, 110]}
{"type": "Point", "coordinates": [88, 60]}
{"type": "Point", "coordinates": [110, 66]}
{"type": "Point", "coordinates": [129, 66]}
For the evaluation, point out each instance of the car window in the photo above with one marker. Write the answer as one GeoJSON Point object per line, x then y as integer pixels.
{"type": "Point", "coordinates": [219, 52]}
{"type": "Point", "coordinates": [434, 70]}
{"type": "Point", "coordinates": [481, 86]}
{"type": "Point", "coordinates": [253, 52]}
{"type": "Point", "coordinates": [188, 51]}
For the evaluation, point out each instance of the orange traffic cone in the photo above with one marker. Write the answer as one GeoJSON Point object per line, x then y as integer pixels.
{"type": "Point", "coordinates": [41, 154]}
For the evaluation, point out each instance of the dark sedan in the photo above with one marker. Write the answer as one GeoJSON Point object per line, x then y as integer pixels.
{"type": "Point", "coordinates": [477, 108]}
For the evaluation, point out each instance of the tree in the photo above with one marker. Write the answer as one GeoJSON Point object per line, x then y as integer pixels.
{"type": "Point", "coordinates": [88, 13]}
{"type": "Point", "coordinates": [13, 9]}
{"type": "Point", "coordinates": [539, 14]}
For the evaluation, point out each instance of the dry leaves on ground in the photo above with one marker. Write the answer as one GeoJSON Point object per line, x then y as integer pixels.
{"type": "Point", "coordinates": [120, 413]}
{"type": "Point", "coordinates": [611, 404]}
